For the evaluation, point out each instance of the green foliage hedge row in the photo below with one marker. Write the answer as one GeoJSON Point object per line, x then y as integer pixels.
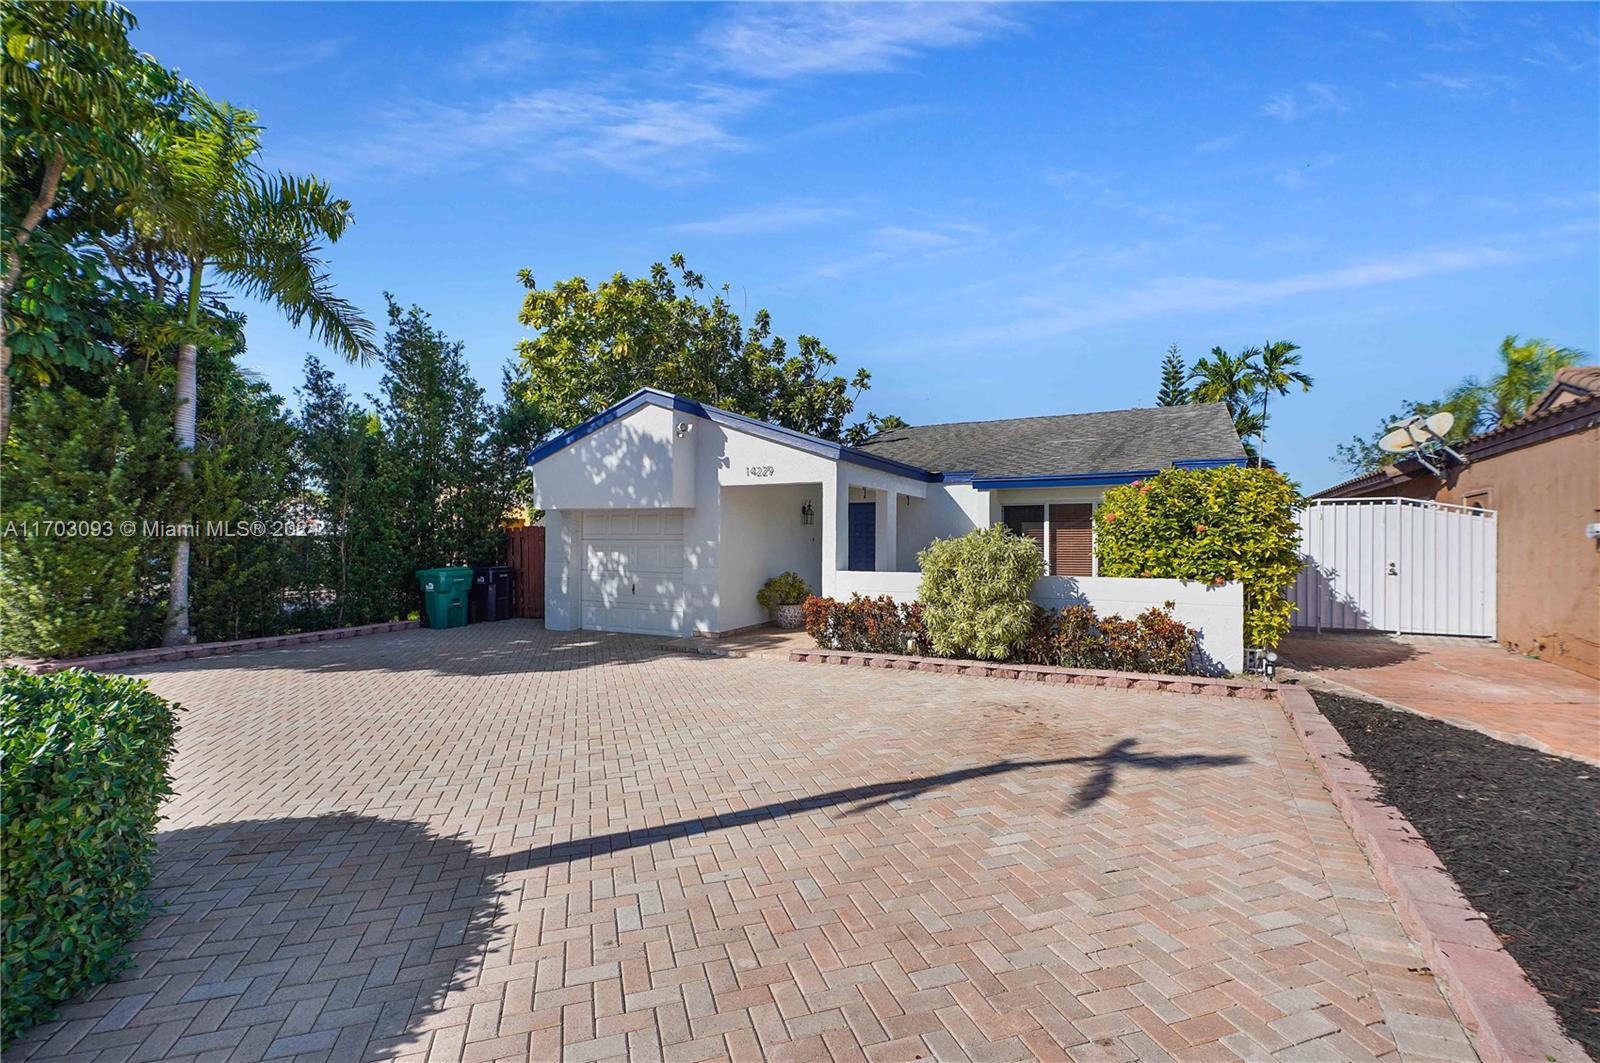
{"type": "Point", "coordinates": [84, 772]}
{"type": "Point", "coordinates": [1212, 525]}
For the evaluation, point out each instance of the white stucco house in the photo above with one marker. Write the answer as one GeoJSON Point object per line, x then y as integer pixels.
{"type": "Point", "coordinates": [666, 515]}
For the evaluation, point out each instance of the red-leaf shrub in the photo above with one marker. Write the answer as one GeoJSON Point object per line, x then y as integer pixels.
{"type": "Point", "coordinates": [866, 625]}
{"type": "Point", "coordinates": [1075, 637]}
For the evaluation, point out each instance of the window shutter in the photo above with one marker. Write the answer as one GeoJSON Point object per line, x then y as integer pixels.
{"type": "Point", "coordinates": [1072, 540]}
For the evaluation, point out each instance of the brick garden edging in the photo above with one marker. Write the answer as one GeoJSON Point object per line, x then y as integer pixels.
{"type": "Point", "coordinates": [1486, 986]}
{"type": "Point", "coordinates": [1039, 673]}
{"type": "Point", "coordinates": [134, 658]}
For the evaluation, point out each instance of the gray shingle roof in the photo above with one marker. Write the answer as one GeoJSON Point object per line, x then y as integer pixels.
{"type": "Point", "coordinates": [1112, 441]}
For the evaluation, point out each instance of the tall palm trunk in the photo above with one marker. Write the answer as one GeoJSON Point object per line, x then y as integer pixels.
{"type": "Point", "coordinates": [185, 397]}
{"type": "Point", "coordinates": [1261, 451]}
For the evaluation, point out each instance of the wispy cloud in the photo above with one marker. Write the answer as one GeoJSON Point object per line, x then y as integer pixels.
{"type": "Point", "coordinates": [785, 41]}
{"type": "Point", "coordinates": [1216, 144]}
{"type": "Point", "coordinates": [1109, 192]}
{"type": "Point", "coordinates": [265, 60]}
{"type": "Point", "coordinates": [1298, 175]}
{"type": "Point", "coordinates": [899, 245]}
{"type": "Point", "coordinates": [556, 129]}
{"type": "Point", "coordinates": [1207, 294]}
{"type": "Point", "coordinates": [1312, 98]}
{"type": "Point", "coordinates": [860, 121]}
{"type": "Point", "coordinates": [771, 218]}
{"type": "Point", "coordinates": [1467, 86]}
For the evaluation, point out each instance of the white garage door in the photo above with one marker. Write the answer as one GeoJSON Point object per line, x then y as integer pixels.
{"type": "Point", "coordinates": [633, 570]}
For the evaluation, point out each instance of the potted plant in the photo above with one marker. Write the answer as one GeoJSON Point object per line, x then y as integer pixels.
{"type": "Point", "coordinates": [784, 595]}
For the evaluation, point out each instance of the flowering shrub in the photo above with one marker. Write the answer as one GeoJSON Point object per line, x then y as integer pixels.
{"type": "Point", "coordinates": [1211, 525]}
{"type": "Point", "coordinates": [975, 592]}
{"type": "Point", "coordinates": [1075, 637]}
{"type": "Point", "coordinates": [866, 625]}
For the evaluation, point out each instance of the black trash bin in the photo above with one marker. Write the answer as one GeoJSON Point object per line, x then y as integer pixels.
{"type": "Point", "coordinates": [490, 598]}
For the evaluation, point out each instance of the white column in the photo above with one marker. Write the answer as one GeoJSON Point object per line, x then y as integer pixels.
{"type": "Point", "coordinates": [887, 516]}
{"type": "Point", "coordinates": [833, 524]}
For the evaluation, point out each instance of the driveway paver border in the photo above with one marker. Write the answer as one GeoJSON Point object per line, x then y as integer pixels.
{"type": "Point", "coordinates": [1041, 673]}
{"type": "Point", "coordinates": [161, 654]}
{"type": "Point", "coordinates": [1485, 985]}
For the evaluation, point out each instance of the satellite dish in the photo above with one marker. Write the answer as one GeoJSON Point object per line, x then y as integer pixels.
{"type": "Point", "coordinates": [1398, 440]}
{"type": "Point", "coordinates": [1422, 437]}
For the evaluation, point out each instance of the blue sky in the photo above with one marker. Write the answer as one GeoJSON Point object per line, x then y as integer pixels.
{"type": "Point", "coordinates": [1000, 211]}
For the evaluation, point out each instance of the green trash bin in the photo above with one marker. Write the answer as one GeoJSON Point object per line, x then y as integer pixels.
{"type": "Point", "coordinates": [444, 595]}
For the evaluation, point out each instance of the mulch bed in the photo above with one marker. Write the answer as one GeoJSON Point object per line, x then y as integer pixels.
{"type": "Point", "coordinates": [1518, 829]}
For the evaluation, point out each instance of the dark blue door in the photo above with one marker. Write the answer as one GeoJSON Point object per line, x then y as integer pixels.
{"type": "Point", "coordinates": [863, 537]}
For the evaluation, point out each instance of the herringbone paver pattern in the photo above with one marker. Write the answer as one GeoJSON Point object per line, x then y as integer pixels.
{"type": "Point", "coordinates": [501, 843]}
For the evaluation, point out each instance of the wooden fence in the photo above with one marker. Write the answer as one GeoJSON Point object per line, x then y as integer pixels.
{"type": "Point", "coordinates": [525, 555]}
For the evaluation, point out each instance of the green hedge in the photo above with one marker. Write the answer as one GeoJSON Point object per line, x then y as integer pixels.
{"type": "Point", "coordinates": [1212, 525]}
{"type": "Point", "coordinates": [84, 773]}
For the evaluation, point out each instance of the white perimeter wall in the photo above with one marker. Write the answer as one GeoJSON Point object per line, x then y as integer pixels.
{"type": "Point", "coordinates": [1216, 612]}
{"type": "Point", "coordinates": [762, 537]}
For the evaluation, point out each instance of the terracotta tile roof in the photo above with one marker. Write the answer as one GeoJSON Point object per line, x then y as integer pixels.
{"type": "Point", "coordinates": [1583, 412]}
{"type": "Point", "coordinates": [1577, 380]}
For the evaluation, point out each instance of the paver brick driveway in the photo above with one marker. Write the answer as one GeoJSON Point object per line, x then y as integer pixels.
{"type": "Point", "coordinates": [502, 843]}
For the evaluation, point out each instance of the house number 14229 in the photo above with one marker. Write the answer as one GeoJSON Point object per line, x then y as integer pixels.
{"type": "Point", "coordinates": [758, 470]}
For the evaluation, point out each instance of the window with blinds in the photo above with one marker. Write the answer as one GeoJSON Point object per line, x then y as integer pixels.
{"type": "Point", "coordinates": [1072, 540]}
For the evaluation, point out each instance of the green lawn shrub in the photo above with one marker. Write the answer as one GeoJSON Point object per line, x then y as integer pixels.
{"type": "Point", "coordinates": [1212, 525]}
{"type": "Point", "coordinates": [974, 592]}
{"type": "Point", "coordinates": [84, 772]}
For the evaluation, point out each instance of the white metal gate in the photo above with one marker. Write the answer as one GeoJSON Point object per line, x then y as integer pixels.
{"type": "Point", "coordinates": [1396, 564]}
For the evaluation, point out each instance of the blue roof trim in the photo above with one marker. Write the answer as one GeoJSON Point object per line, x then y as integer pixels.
{"type": "Point", "coordinates": [1082, 479]}
{"type": "Point", "coordinates": [764, 429]}
{"type": "Point", "coordinates": [1210, 463]}
{"type": "Point", "coordinates": [639, 398]}
{"type": "Point", "coordinates": [957, 476]}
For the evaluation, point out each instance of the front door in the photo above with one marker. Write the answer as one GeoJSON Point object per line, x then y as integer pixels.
{"type": "Point", "coordinates": [863, 547]}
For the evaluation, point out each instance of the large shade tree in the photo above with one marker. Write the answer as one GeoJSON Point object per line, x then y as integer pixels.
{"type": "Point", "coordinates": [209, 212]}
{"type": "Point", "coordinates": [595, 345]}
{"type": "Point", "coordinates": [77, 101]}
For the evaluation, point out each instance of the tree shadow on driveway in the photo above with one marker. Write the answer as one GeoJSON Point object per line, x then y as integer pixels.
{"type": "Point", "coordinates": [869, 796]}
{"type": "Point", "coordinates": [341, 935]}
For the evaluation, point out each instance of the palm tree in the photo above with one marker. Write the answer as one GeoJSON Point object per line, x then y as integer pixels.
{"type": "Point", "coordinates": [210, 206]}
{"type": "Point", "coordinates": [1232, 381]}
{"type": "Point", "coordinates": [1275, 373]}
{"type": "Point", "coordinates": [1526, 369]}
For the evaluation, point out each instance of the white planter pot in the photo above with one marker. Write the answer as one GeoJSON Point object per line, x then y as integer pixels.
{"type": "Point", "coordinates": [790, 616]}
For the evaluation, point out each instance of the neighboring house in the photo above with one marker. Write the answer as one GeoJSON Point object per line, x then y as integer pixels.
{"type": "Point", "coordinates": [664, 514]}
{"type": "Point", "coordinates": [1541, 475]}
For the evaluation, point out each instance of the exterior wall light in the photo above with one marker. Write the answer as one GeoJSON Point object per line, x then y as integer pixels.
{"type": "Point", "coordinates": [807, 514]}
